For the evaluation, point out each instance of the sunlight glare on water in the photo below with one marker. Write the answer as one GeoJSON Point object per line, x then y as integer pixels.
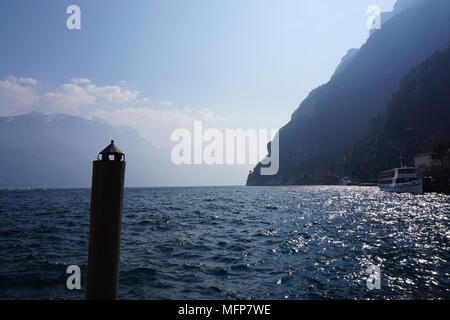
{"type": "Point", "coordinates": [299, 242]}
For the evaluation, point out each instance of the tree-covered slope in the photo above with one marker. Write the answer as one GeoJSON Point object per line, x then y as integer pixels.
{"type": "Point", "coordinates": [416, 120]}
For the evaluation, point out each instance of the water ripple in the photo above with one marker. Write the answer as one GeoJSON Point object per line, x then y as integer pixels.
{"type": "Point", "coordinates": [234, 243]}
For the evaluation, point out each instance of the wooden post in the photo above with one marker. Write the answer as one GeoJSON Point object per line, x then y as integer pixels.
{"type": "Point", "coordinates": [105, 224]}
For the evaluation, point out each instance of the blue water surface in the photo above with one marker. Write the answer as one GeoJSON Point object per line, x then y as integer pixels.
{"type": "Point", "coordinates": [298, 242]}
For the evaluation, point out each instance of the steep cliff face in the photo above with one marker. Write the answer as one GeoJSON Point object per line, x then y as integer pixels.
{"type": "Point", "coordinates": [417, 120]}
{"type": "Point", "coordinates": [346, 60]}
{"type": "Point", "coordinates": [337, 114]}
{"type": "Point", "coordinates": [399, 6]}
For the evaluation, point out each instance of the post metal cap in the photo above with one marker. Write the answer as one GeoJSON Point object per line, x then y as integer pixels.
{"type": "Point", "coordinates": [113, 150]}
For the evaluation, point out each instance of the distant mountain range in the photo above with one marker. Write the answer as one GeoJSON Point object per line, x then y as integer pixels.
{"type": "Point", "coordinates": [336, 116]}
{"type": "Point", "coordinates": [39, 150]}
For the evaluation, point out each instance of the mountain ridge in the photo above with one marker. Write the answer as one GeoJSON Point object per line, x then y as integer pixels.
{"type": "Point", "coordinates": [415, 121]}
{"type": "Point", "coordinates": [337, 114]}
{"type": "Point", "coordinates": [57, 150]}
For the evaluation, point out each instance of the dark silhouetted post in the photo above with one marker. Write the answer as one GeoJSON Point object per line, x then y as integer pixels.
{"type": "Point", "coordinates": [108, 177]}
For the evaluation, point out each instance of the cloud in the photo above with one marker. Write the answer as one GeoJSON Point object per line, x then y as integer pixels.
{"type": "Point", "coordinates": [165, 103]}
{"type": "Point", "coordinates": [114, 94]}
{"type": "Point", "coordinates": [17, 95]}
{"type": "Point", "coordinates": [23, 81]}
{"type": "Point", "coordinates": [156, 125]}
{"type": "Point", "coordinates": [207, 115]}
{"type": "Point", "coordinates": [21, 95]}
{"type": "Point", "coordinates": [115, 104]}
{"type": "Point", "coordinates": [80, 80]}
{"type": "Point", "coordinates": [68, 97]}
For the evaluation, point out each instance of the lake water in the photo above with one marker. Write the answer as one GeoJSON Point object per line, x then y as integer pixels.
{"type": "Point", "coordinates": [311, 242]}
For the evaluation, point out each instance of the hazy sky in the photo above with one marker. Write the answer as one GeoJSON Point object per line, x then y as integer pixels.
{"type": "Point", "coordinates": [157, 65]}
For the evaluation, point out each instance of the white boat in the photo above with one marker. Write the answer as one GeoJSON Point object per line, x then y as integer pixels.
{"type": "Point", "coordinates": [403, 179]}
{"type": "Point", "coordinates": [345, 181]}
